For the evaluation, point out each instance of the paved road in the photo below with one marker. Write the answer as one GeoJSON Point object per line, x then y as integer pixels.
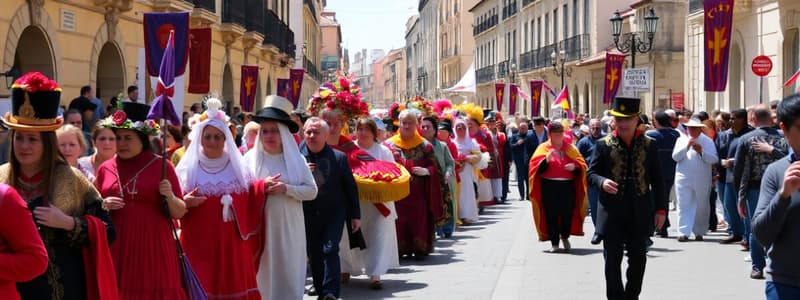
{"type": "Point", "coordinates": [500, 258]}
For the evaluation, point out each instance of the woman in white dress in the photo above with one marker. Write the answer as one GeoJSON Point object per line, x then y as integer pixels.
{"type": "Point", "coordinates": [105, 147]}
{"type": "Point", "coordinates": [282, 270]}
{"type": "Point", "coordinates": [379, 231]}
{"type": "Point", "coordinates": [467, 199]}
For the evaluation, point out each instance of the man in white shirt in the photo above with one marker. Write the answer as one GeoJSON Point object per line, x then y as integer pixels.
{"type": "Point", "coordinates": [694, 154]}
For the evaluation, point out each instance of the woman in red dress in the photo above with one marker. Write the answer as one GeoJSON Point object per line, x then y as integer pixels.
{"type": "Point", "coordinates": [226, 209]}
{"type": "Point", "coordinates": [22, 253]}
{"type": "Point", "coordinates": [145, 254]}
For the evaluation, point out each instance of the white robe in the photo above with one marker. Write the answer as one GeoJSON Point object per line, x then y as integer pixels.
{"type": "Point", "coordinates": [693, 184]}
{"type": "Point", "coordinates": [467, 199]}
{"type": "Point", "coordinates": [379, 233]}
{"type": "Point", "coordinates": [282, 273]}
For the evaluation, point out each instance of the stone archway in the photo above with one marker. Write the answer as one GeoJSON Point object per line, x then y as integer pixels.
{"type": "Point", "coordinates": [110, 79]}
{"type": "Point", "coordinates": [227, 88]}
{"type": "Point", "coordinates": [33, 53]}
{"type": "Point", "coordinates": [104, 45]}
{"type": "Point", "coordinates": [35, 33]}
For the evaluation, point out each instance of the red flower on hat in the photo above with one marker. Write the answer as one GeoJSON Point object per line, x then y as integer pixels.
{"type": "Point", "coordinates": [34, 82]}
{"type": "Point", "coordinates": [119, 117]}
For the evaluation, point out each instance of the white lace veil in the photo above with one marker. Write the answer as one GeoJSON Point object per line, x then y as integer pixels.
{"type": "Point", "coordinates": [465, 144]}
{"type": "Point", "coordinates": [295, 162]}
{"type": "Point", "coordinates": [189, 166]}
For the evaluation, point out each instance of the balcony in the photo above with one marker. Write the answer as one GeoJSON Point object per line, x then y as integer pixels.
{"type": "Point", "coordinates": [276, 33]}
{"type": "Point", "coordinates": [695, 6]}
{"type": "Point", "coordinates": [526, 2]}
{"type": "Point", "coordinates": [313, 10]}
{"type": "Point", "coordinates": [576, 47]}
{"type": "Point", "coordinates": [233, 11]}
{"type": "Point", "coordinates": [485, 74]}
{"type": "Point", "coordinates": [510, 10]}
{"type": "Point", "coordinates": [485, 25]}
{"type": "Point", "coordinates": [208, 5]}
{"type": "Point", "coordinates": [526, 61]}
{"type": "Point", "coordinates": [543, 56]}
{"type": "Point", "coordinates": [502, 69]}
{"type": "Point", "coordinates": [311, 69]}
{"type": "Point", "coordinates": [254, 15]}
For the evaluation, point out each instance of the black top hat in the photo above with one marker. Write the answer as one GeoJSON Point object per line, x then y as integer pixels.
{"type": "Point", "coordinates": [33, 110]}
{"type": "Point", "coordinates": [446, 125]}
{"type": "Point", "coordinates": [626, 107]}
{"type": "Point", "coordinates": [82, 104]}
{"type": "Point", "coordinates": [136, 111]}
{"type": "Point", "coordinates": [277, 108]}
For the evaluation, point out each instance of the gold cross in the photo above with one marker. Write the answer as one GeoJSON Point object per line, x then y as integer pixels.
{"type": "Point", "coordinates": [248, 86]}
{"type": "Point", "coordinates": [612, 78]}
{"type": "Point", "coordinates": [718, 44]}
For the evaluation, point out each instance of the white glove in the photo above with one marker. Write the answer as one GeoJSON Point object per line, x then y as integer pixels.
{"type": "Point", "coordinates": [421, 172]}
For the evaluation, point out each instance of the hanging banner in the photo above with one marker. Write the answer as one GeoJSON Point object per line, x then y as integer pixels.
{"type": "Point", "coordinates": [499, 89]}
{"type": "Point", "coordinates": [200, 60]}
{"type": "Point", "coordinates": [718, 16]}
{"type": "Point", "coordinates": [513, 91]}
{"type": "Point", "coordinates": [296, 83]}
{"type": "Point", "coordinates": [536, 97]}
{"type": "Point", "coordinates": [247, 88]}
{"type": "Point", "coordinates": [283, 87]}
{"type": "Point", "coordinates": [157, 27]}
{"type": "Point", "coordinates": [613, 76]}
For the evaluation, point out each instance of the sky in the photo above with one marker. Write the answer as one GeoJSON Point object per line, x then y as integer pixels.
{"type": "Point", "coordinates": [372, 24]}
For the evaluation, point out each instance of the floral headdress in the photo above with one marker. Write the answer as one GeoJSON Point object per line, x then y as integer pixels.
{"type": "Point", "coordinates": [34, 82]}
{"type": "Point", "coordinates": [34, 104]}
{"type": "Point", "coordinates": [422, 105]}
{"type": "Point", "coordinates": [472, 111]}
{"type": "Point", "coordinates": [120, 120]}
{"type": "Point", "coordinates": [342, 94]}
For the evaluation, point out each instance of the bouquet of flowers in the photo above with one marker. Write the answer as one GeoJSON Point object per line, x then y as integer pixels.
{"type": "Point", "coordinates": [36, 82]}
{"type": "Point", "coordinates": [342, 94]}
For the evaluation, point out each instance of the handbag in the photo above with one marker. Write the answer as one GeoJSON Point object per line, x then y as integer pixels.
{"type": "Point", "coordinates": [194, 289]}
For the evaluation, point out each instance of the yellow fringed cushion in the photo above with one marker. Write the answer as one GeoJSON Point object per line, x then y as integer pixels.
{"type": "Point", "coordinates": [373, 191]}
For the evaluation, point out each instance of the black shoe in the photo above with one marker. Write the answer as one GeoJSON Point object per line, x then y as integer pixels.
{"type": "Point", "coordinates": [731, 240]}
{"type": "Point", "coordinates": [597, 238]}
{"type": "Point", "coordinates": [312, 291]}
{"type": "Point", "coordinates": [329, 297]}
{"type": "Point", "coordinates": [698, 238]}
{"type": "Point", "coordinates": [757, 274]}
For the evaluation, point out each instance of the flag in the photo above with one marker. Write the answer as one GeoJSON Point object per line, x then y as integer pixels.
{"type": "Point", "coordinates": [548, 88]}
{"type": "Point", "coordinates": [718, 16]}
{"type": "Point", "coordinates": [513, 90]}
{"type": "Point", "coordinates": [165, 90]}
{"type": "Point", "coordinates": [247, 88]}
{"type": "Point", "coordinates": [792, 80]}
{"type": "Point", "coordinates": [157, 28]}
{"type": "Point", "coordinates": [536, 96]}
{"type": "Point", "coordinates": [296, 84]}
{"type": "Point", "coordinates": [200, 60]}
{"type": "Point", "coordinates": [613, 76]}
{"type": "Point", "coordinates": [499, 89]}
{"type": "Point", "coordinates": [283, 87]}
{"type": "Point", "coordinates": [562, 102]}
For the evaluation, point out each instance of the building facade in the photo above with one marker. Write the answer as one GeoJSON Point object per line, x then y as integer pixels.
{"type": "Point", "coordinates": [394, 70]}
{"type": "Point", "coordinates": [414, 63]}
{"type": "Point", "coordinates": [455, 42]}
{"type": "Point", "coordinates": [97, 43]}
{"type": "Point", "coordinates": [522, 40]}
{"type": "Point", "coordinates": [428, 40]}
{"type": "Point", "coordinates": [305, 22]}
{"type": "Point", "coordinates": [331, 49]}
{"type": "Point", "coordinates": [759, 28]}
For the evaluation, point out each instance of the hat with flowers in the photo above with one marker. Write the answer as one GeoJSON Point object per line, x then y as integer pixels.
{"type": "Point", "coordinates": [34, 104]}
{"type": "Point", "coordinates": [342, 94]}
{"type": "Point", "coordinates": [132, 116]}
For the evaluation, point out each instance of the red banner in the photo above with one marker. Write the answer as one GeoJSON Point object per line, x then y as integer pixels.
{"type": "Point", "coordinates": [513, 91]}
{"type": "Point", "coordinates": [247, 90]}
{"type": "Point", "coordinates": [677, 100]}
{"type": "Point", "coordinates": [499, 89]}
{"type": "Point", "coordinates": [283, 87]}
{"type": "Point", "coordinates": [199, 60]}
{"type": "Point", "coordinates": [296, 85]}
{"type": "Point", "coordinates": [536, 97]}
{"type": "Point", "coordinates": [613, 76]}
{"type": "Point", "coordinates": [717, 36]}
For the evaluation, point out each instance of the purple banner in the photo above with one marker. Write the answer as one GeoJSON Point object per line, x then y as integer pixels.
{"type": "Point", "coordinates": [157, 27]}
{"type": "Point", "coordinates": [283, 87]}
{"type": "Point", "coordinates": [717, 36]}
{"type": "Point", "coordinates": [247, 89]}
{"type": "Point", "coordinates": [536, 97]}
{"type": "Point", "coordinates": [613, 76]}
{"type": "Point", "coordinates": [296, 82]}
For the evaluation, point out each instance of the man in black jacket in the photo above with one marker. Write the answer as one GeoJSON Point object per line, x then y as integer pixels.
{"type": "Point", "coordinates": [325, 216]}
{"type": "Point", "coordinates": [625, 166]}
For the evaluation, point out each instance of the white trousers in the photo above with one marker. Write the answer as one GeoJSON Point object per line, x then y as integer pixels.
{"type": "Point", "coordinates": [497, 188]}
{"type": "Point", "coordinates": [693, 209]}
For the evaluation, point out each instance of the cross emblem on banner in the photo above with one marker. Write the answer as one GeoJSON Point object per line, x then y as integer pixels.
{"type": "Point", "coordinates": [717, 44]}
{"type": "Point", "coordinates": [248, 86]}
{"type": "Point", "coordinates": [612, 78]}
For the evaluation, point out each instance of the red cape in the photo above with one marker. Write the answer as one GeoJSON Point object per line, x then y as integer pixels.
{"type": "Point", "coordinates": [101, 279]}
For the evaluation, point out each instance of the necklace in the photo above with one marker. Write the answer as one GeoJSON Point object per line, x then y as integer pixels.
{"type": "Point", "coordinates": [130, 186]}
{"type": "Point", "coordinates": [205, 168]}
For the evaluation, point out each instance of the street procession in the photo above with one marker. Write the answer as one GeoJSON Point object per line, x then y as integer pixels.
{"type": "Point", "coordinates": [418, 149]}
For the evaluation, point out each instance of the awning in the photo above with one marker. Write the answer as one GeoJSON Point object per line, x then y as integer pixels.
{"type": "Point", "coordinates": [466, 84]}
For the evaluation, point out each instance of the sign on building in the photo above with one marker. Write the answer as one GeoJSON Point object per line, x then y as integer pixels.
{"type": "Point", "coordinates": [636, 80]}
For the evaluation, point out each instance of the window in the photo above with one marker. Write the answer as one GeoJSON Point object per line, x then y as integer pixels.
{"type": "Point", "coordinates": [566, 21]}
{"type": "Point", "coordinates": [514, 44]}
{"type": "Point", "coordinates": [539, 32]}
{"type": "Point", "coordinates": [547, 26]}
{"type": "Point", "coordinates": [574, 17]}
{"type": "Point", "coordinates": [525, 37]}
{"type": "Point", "coordinates": [555, 26]}
{"type": "Point", "coordinates": [586, 17]}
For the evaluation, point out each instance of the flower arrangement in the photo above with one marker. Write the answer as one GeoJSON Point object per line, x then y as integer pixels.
{"type": "Point", "coordinates": [120, 120]}
{"type": "Point", "coordinates": [342, 94]}
{"type": "Point", "coordinates": [424, 106]}
{"type": "Point", "coordinates": [472, 111]}
{"type": "Point", "coordinates": [36, 82]}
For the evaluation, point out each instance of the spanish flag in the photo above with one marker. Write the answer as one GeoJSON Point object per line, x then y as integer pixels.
{"type": "Point", "coordinates": [562, 101]}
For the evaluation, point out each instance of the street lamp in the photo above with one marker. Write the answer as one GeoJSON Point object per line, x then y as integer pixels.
{"type": "Point", "coordinates": [558, 65]}
{"type": "Point", "coordinates": [11, 75]}
{"type": "Point", "coordinates": [635, 43]}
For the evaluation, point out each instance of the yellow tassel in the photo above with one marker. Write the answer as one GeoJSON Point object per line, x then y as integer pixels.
{"type": "Point", "coordinates": [381, 191]}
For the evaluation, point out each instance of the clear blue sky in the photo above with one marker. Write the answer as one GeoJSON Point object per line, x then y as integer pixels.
{"type": "Point", "coordinates": [372, 24]}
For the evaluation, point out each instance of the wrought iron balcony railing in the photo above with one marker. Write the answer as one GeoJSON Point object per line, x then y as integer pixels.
{"type": "Point", "coordinates": [234, 11]}
{"type": "Point", "coordinates": [576, 47]}
{"type": "Point", "coordinates": [254, 15]}
{"type": "Point", "coordinates": [208, 5]}
{"type": "Point", "coordinates": [278, 34]}
{"type": "Point", "coordinates": [485, 74]}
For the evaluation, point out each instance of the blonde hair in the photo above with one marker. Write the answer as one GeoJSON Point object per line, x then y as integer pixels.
{"type": "Point", "coordinates": [251, 126]}
{"type": "Point", "coordinates": [69, 129]}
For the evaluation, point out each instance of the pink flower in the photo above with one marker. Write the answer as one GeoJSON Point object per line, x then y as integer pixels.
{"type": "Point", "coordinates": [119, 117]}
{"type": "Point", "coordinates": [329, 104]}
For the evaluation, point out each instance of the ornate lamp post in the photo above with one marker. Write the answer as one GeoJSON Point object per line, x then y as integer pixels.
{"type": "Point", "coordinates": [558, 65]}
{"type": "Point", "coordinates": [635, 43]}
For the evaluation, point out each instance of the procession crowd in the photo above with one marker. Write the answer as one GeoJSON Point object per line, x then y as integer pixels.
{"type": "Point", "coordinates": [106, 204]}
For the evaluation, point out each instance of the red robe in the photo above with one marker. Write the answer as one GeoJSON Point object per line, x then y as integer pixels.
{"type": "Point", "coordinates": [534, 181]}
{"type": "Point", "coordinates": [495, 168]}
{"type": "Point", "coordinates": [220, 252]}
{"type": "Point", "coordinates": [22, 252]}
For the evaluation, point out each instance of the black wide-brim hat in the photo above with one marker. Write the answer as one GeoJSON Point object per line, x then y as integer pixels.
{"type": "Point", "coordinates": [445, 125]}
{"type": "Point", "coordinates": [277, 108]}
{"type": "Point", "coordinates": [33, 111]}
{"type": "Point", "coordinates": [626, 107]}
{"type": "Point", "coordinates": [136, 111]}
